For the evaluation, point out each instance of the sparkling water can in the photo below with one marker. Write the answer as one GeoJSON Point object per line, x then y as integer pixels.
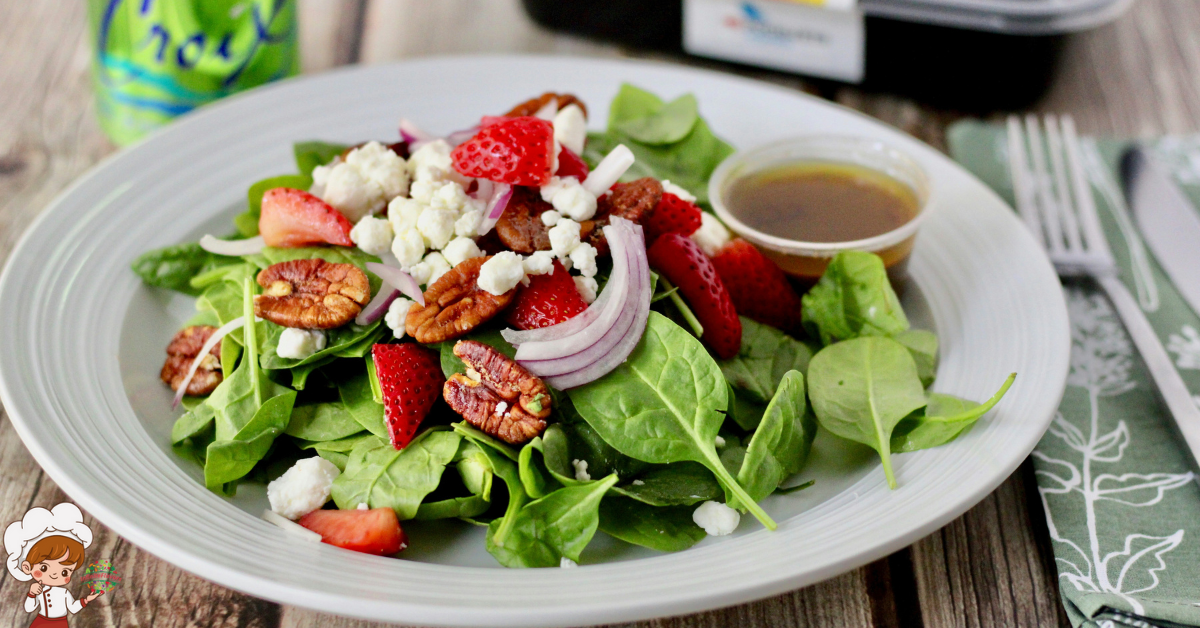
{"type": "Point", "coordinates": [154, 60]}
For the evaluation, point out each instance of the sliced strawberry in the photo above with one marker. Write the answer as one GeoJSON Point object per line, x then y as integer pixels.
{"type": "Point", "coordinates": [758, 287]}
{"type": "Point", "coordinates": [513, 150]}
{"type": "Point", "coordinates": [548, 300]}
{"type": "Point", "coordinates": [570, 165]}
{"type": "Point", "coordinates": [682, 262]}
{"type": "Point", "coordinates": [411, 378]}
{"type": "Point", "coordinates": [376, 531]}
{"type": "Point", "coordinates": [671, 215]}
{"type": "Point", "coordinates": [294, 218]}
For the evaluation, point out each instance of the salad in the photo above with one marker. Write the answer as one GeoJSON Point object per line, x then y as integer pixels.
{"type": "Point", "coordinates": [533, 329]}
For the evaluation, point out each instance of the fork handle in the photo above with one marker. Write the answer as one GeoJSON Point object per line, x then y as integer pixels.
{"type": "Point", "coordinates": [1170, 385]}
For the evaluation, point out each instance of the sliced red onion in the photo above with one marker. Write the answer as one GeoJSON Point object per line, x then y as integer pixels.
{"type": "Point", "coordinates": [291, 527]}
{"type": "Point", "coordinates": [232, 248]}
{"type": "Point", "coordinates": [389, 258]}
{"type": "Point", "coordinates": [378, 305]}
{"type": "Point", "coordinates": [484, 188]}
{"type": "Point", "coordinates": [501, 195]}
{"type": "Point", "coordinates": [458, 137]}
{"type": "Point", "coordinates": [618, 281]}
{"type": "Point", "coordinates": [413, 134]}
{"type": "Point", "coordinates": [208, 345]}
{"type": "Point", "coordinates": [609, 170]}
{"type": "Point", "coordinates": [398, 280]}
{"type": "Point", "coordinates": [571, 325]}
{"type": "Point", "coordinates": [548, 110]}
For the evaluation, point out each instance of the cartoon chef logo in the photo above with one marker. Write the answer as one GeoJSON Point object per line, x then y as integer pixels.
{"type": "Point", "coordinates": [47, 547]}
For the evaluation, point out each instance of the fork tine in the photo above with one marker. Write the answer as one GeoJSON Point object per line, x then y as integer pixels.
{"type": "Point", "coordinates": [1088, 216]}
{"type": "Point", "coordinates": [1070, 225]}
{"type": "Point", "coordinates": [1041, 181]}
{"type": "Point", "coordinates": [1019, 173]}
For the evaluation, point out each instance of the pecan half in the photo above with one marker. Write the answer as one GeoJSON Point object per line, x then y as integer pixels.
{"type": "Point", "coordinates": [497, 395]}
{"type": "Point", "coordinates": [311, 293]}
{"type": "Point", "coordinates": [531, 106]}
{"type": "Point", "coordinates": [631, 201]}
{"type": "Point", "coordinates": [184, 348]}
{"type": "Point", "coordinates": [455, 304]}
{"type": "Point", "coordinates": [520, 227]}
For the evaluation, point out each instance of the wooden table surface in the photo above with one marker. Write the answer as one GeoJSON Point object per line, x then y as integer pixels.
{"type": "Point", "coordinates": [1139, 76]}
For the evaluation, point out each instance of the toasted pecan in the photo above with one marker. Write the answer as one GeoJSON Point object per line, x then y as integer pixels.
{"type": "Point", "coordinates": [497, 395]}
{"type": "Point", "coordinates": [311, 293]}
{"type": "Point", "coordinates": [455, 304]}
{"type": "Point", "coordinates": [531, 106]}
{"type": "Point", "coordinates": [182, 350]}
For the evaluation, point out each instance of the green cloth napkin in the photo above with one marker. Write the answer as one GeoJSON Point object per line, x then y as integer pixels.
{"type": "Point", "coordinates": [1122, 505]}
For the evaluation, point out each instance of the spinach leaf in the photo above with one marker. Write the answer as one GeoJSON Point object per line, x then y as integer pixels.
{"type": "Point", "coordinates": [765, 355]}
{"type": "Point", "coordinates": [782, 441]}
{"type": "Point", "coordinates": [676, 484]}
{"type": "Point", "coordinates": [358, 399]}
{"type": "Point", "coordinates": [331, 254]}
{"type": "Point", "coordinates": [247, 222]}
{"type": "Point", "coordinates": [322, 422]}
{"type": "Point", "coordinates": [476, 472]}
{"type": "Point", "coordinates": [486, 441]}
{"type": "Point", "coordinates": [503, 460]}
{"type": "Point", "coordinates": [667, 125]}
{"type": "Point", "coordinates": [380, 476]}
{"type": "Point", "coordinates": [944, 418]}
{"type": "Point", "coordinates": [743, 410]}
{"type": "Point", "coordinates": [546, 530]}
{"type": "Point", "coordinates": [335, 451]}
{"type": "Point", "coordinates": [669, 529]}
{"type": "Point", "coordinates": [173, 267]}
{"type": "Point", "coordinates": [861, 388]}
{"type": "Point", "coordinates": [453, 508]}
{"type": "Point", "coordinates": [311, 154]}
{"type": "Point", "coordinates": [535, 476]}
{"type": "Point", "coordinates": [923, 345]}
{"type": "Point", "coordinates": [631, 103]}
{"type": "Point", "coordinates": [341, 341]}
{"type": "Point", "coordinates": [852, 299]}
{"type": "Point", "coordinates": [664, 404]}
{"type": "Point", "coordinates": [300, 373]}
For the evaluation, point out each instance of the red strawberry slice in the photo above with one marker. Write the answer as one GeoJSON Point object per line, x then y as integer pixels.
{"type": "Point", "coordinates": [758, 287]}
{"type": "Point", "coordinates": [570, 165]}
{"type": "Point", "coordinates": [411, 378]}
{"type": "Point", "coordinates": [376, 531]}
{"type": "Point", "coordinates": [294, 218]}
{"type": "Point", "coordinates": [671, 215]}
{"type": "Point", "coordinates": [682, 262]}
{"type": "Point", "coordinates": [548, 300]}
{"type": "Point", "coordinates": [514, 151]}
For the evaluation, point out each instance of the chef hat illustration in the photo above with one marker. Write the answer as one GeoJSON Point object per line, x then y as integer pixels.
{"type": "Point", "coordinates": [20, 536]}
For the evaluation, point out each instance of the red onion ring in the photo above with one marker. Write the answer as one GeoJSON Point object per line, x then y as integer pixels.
{"type": "Point", "coordinates": [609, 170]}
{"type": "Point", "coordinates": [378, 305]}
{"type": "Point", "coordinates": [208, 345]}
{"type": "Point", "coordinates": [398, 280]}
{"type": "Point", "coordinates": [501, 195]}
{"type": "Point", "coordinates": [232, 248]}
{"type": "Point", "coordinates": [413, 134]}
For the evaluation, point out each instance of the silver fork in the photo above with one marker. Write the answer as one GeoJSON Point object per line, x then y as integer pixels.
{"type": "Point", "coordinates": [1055, 200]}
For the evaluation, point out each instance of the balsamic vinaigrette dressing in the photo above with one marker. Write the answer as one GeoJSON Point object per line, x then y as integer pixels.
{"type": "Point", "coordinates": [821, 202]}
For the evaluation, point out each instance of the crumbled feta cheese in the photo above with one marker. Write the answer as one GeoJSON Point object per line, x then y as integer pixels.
{"type": "Point", "coordinates": [373, 235]}
{"type": "Point", "coordinates": [574, 201]}
{"type": "Point", "coordinates": [408, 247]}
{"type": "Point", "coordinates": [581, 473]}
{"type": "Point", "coordinates": [422, 190]}
{"type": "Point", "coordinates": [420, 272]}
{"type": "Point", "coordinates": [678, 191]}
{"type": "Point", "coordinates": [501, 273]}
{"type": "Point", "coordinates": [564, 237]}
{"type": "Point", "coordinates": [351, 193]}
{"type": "Point", "coordinates": [719, 442]}
{"type": "Point", "coordinates": [437, 264]}
{"type": "Point", "coordinates": [431, 162]}
{"type": "Point", "coordinates": [450, 196]}
{"type": "Point", "coordinates": [460, 250]}
{"type": "Point", "coordinates": [570, 128]}
{"type": "Point", "coordinates": [303, 488]}
{"type": "Point", "coordinates": [587, 288]}
{"type": "Point", "coordinates": [567, 563]}
{"type": "Point", "coordinates": [437, 225]}
{"type": "Point", "coordinates": [396, 315]}
{"type": "Point", "coordinates": [297, 344]}
{"type": "Point", "coordinates": [712, 236]}
{"type": "Point", "coordinates": [539, 263]}
{"type": "Point", "coordinates": [638, 483]}
{"type": "Point", "coordinates": [363, 506]}
{"type": "Point", "coordinates": [552, 187]}
{"type": "Point", "coordinates": [583, 258]}
{"type": "Point", "coordinates": [320, 177]}
{"type": "Point", "coordinates": [378, 164]}
{"type": "Point", "coordinates": [555, 149]}
{"type": "Point", "coordinates": [550, 217]}
{"type": "Point", "coordinates": [501, 407]}
{"type": "Point", "coordinates": [467, 225]}
{"type": "Point", "coordinates": [716, 518]}
{"type": "Point", "coordinates": [403, 214]}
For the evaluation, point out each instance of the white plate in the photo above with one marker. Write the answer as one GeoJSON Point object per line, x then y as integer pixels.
{"type": "Point", "coordinates": [83, 341]}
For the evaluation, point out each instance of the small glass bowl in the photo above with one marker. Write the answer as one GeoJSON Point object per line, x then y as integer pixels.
{"type": "Point", "coordinates": [805, 262]}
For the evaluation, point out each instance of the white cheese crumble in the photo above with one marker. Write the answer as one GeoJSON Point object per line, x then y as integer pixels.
{"type": "Point", "coordinates": [716, 518]}
{"type": "Point", "coordinates": [303, 488]}
{"type": "Point", "coordinates": [351, 193]}
{"type": "Point", "coordinates": [460, 250]}
{"type": "Point", "coordinates": [363, 506]}
{"type": "Point", "coordinates": [550, 217]}
{"type": "Point", "coordinates": [678, 191]}
{"type": "Point", "coordinates": [500, 408]}
{"type": "Point", "coordinates": [420, 272]}
{"type": "Point", "coordinates": [712, 236]}
{"type": "Point", "coordinates": [501, 273]}
{"type": "Point", "coordinates": [467, 225]}
{"type": "Point", "coordinates": [583, 258]}
{"type": "Point", "coordinates": [539, 263]}
{"type": "Point", "coordinates": [581, 472]}
{"type": "Point", "coordinates": [567, 563]}
{"type": "Point", "coordinates": [432, 162]}
{"type": "Point", "coordinates": [564, 237]}
{"type": "Point", "coordinates": [570, 128]}
{"type": "Point", "coordinates": [638, 483]}
{"type": "Point", "coordinates": [587, 288]}
{"type": "Point", "coordinates": [379, 165]}
{"type": "Point", "coordinates": [297, 344]}
{"type": "Point", "coordinates": [372, 235]}
{"type": "Point", "coordinates": [369, 177]}
{"type": "Point", "coordinates": [408, 247]}
{"type": "Point", "coordinates": [403, 214]}
{"type": "Point", "coordinates": [719, 442]}
{"type": "Point", "coordinates": [437, 264]}
{"type": "Point", "coordinates": [437, 226]}
{"type": "Point", "coordinates": [397, 313]}
{"type": "Point", "coordinates": [573, 200]}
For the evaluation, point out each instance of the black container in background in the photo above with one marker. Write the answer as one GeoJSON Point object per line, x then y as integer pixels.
{"type": "Point", "coordinates": [947, 67]}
